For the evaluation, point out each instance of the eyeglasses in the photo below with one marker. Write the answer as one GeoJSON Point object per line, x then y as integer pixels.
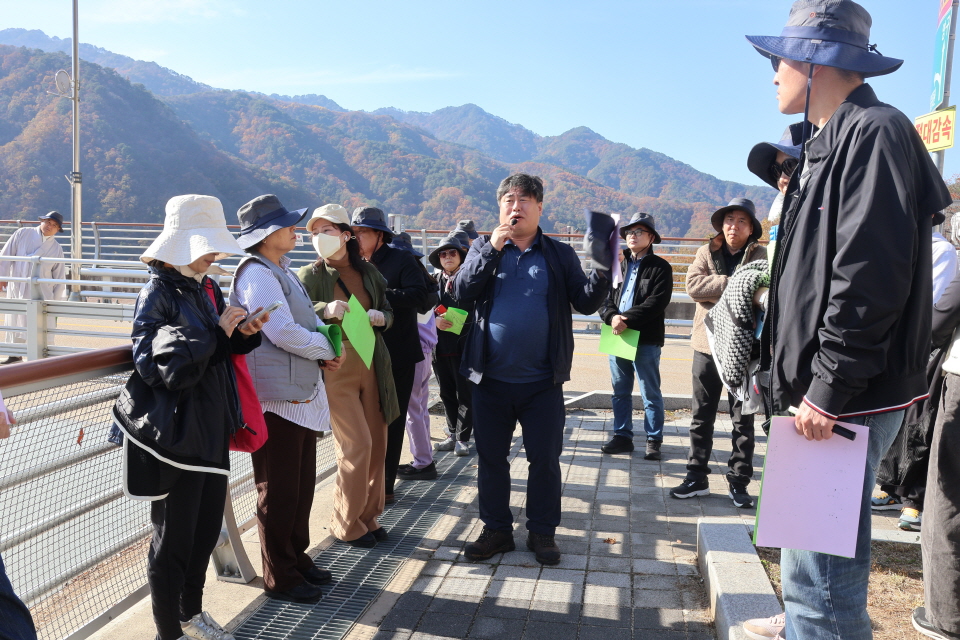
{"type": "Point", "coordinates": [785, 168]}
{"type": "Point", "coordinates": [635, 232]}
{"type": "Point", "coordinates": [449, 253]}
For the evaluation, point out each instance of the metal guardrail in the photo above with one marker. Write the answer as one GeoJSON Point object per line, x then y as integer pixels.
{"type": "Point", "coordinates": [73, 546]}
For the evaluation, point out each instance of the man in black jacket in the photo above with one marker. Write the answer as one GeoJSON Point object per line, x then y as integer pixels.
{"type": "Point", "coordinates": [518, 354]}
{"type": "Point", "coordinates": [847, 334]}
{"type": "Point", "coordinates": [639, 304]}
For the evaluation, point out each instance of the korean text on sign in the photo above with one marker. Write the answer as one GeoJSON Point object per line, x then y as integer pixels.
{"type": "Point", "coordinates": [937, 129]}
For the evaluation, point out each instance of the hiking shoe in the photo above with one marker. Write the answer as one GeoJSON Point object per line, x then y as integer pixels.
{"type": "Point", "coordinates": [410, 472]}
{"type": "Point", "coordinates": [544, 547]}
{"type": "Point", "coordinates": [380, 534]}
{"type": "Point", "coordinates": [765, 628]}
{"type": "Point", "coordinates": [490, 543]}
{"type": "Point", "coordinates": [653, 450]}
{"type": "Point", "coordinates": [741, 498]}
{"type": "Point", "coordinates": [204, 627]}
{"type": "Point", "coordinates": [304, 593]}
{"type": "Point", "coordinates": [366, 541]}
{"type": "Point", "coordinates": [462, 449]}
{"type": "Point", "coordinates": [446, 444]}
{"type": "Point", "coordinates": [884, 501]}
{"type": "Point", "coordinates": [690, 488]}
{"type": "Point", "coordinates": [924, 626]}
{"type": "Point", "coordinates": [317, 576]}
{"type": "Point", "coordinates": [910, 519]}
{"type": "Point", "coordinates": [618, 444]}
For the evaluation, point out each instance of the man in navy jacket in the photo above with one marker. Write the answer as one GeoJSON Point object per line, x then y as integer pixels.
{"type": "Point", "coordinates": [518, 354]}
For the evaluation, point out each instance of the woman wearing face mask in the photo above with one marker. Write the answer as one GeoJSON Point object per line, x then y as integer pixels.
{"type": "Point", "coordinates": [362, 401]}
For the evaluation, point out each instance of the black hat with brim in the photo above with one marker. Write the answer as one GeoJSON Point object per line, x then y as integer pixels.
{"type": "Point", "coordinates": [738, 204]}
{"type": "Point", "coordinates": [764, 154]}
{"type": "Point", "coordinates": [372, 218]}
{"type": "Point", "coordinates": [450, 242]}
{"type": "Point", "coordinates": [644, 219]}
{"type": "Point", "coordinates": [262, 216]}
{"type": "Point", "coordinates": [56, 216]}
{"type": "Point", "coordinates": [403, 242]}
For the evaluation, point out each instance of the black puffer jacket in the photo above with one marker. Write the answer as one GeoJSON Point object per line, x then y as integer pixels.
{"type": "Point", "coordinates": [406, 292]}
{"type": "Point", "coordinates": [181, 401]}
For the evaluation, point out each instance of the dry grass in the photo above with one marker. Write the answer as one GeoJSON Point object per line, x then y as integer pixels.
{"type": "Point", "coordinates": [896, 587]}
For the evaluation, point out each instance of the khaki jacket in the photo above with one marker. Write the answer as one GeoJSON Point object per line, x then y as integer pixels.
{"type": "Point", "coordinates": [705, 283]}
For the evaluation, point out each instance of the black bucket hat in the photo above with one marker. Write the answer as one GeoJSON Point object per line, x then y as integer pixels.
{"type": "Point", "coordinates": [404, 242]}
{"type": "Point", "coordinates": [738, 204]}
{"type": "Point", "coordinates": [56, 217]}
{"type": "Point", "coordinates": [764, 154]}
{"type": "Point", "coordinates": [262, 216]}
{"type": "Point", "coordinates": [372, 218]}
{"type": "Point", "coordinates": [832, 33]}
{"type": "Point", "coordinates": [646, 220]}
{"type": "Point", "coordinates": [450, 242]}
{"type": "Point", "coordinates": [468, 227]}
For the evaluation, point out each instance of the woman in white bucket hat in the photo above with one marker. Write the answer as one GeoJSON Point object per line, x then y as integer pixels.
{"type": "Point", "coordinates": [180, 407]}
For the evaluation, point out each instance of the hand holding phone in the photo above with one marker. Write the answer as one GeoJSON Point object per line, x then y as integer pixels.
{"type": "Point", "coordinates": [259, 314]}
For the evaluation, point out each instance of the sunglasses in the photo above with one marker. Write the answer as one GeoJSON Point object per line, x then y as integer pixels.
{"type": "Point", "coordinates": [448, 253]}
{"type": "Point", "coordinates": [785, 168]}
{"type": "Point", "coordinates": [775, 61]}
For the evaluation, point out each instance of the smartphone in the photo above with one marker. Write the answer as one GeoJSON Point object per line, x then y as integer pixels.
{"type": "Point", "coordinates": [269, 308]}
{"type": "Point", "coordinates": [440, 310]}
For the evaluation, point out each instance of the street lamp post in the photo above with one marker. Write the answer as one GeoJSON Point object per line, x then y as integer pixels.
{"type": "Point", "coordinates": [76, 245]}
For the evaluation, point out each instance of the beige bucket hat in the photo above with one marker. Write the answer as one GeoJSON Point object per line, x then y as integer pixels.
{"type": "Point", "coordinates": [332, 213]}
{"type": "Point", "coordinates": [193, 227]}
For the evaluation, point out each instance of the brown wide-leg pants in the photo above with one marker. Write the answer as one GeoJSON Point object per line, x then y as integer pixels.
{"type": "Point", "coordinates": [360, 433]}
{"type": "Point", "coordinates": [285, 471]}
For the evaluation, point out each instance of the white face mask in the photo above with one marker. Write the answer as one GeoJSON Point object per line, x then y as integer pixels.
{"type": "Point", "coordinates": [327, 245]}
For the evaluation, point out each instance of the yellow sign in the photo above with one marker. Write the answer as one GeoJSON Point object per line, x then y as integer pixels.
{"type": "Point", "coordinates": [937, 129]}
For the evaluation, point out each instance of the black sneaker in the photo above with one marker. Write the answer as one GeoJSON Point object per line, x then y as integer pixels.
{"type": "Point", "coordinates": [380, 534]}
{"type": "Point", "coordinates": [653, 450]}
{"type": "Point", "coordinates": [410, 472]}
{"type": "Point", "coordinates": [924, 626]}
{"type": "Point", "coordinates": [741, 499]}
{"type": "Point", "coordinates": [618, 444]}
{"type": "Point", "coordinates": [490, 543]}
{"type": "Point", "coordinates": [304, 593]}
{"type": "Point", "coordinates": [366, 541]}
{"type": "Point", "coordinates": [690, 488]}
{"type": "Point", "coordinates": [545, 548]}
{"type": "Point", "coordinates": [317, 576]}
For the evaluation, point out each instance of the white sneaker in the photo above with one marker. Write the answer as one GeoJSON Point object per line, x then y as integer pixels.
{"type": "Point", "coordinates": [463, 448]}
{"type": "Point", "coordinates": [203, 627]}
{"type": "Point", "coordinates": [444, 445]}
{"type": "Point", "coordinates": [765, 628]}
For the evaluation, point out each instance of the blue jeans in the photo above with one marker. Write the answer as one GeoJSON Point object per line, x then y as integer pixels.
{"type": "Point", "coordinates": [825, 596]}
{"type": "Point", "coordinates": [15, 620]}
{"type": "Point", "coordinates": [647, 368]}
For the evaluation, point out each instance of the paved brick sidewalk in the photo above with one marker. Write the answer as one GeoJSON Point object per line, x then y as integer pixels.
{"type": "Point", "coordinates": [629, 553]}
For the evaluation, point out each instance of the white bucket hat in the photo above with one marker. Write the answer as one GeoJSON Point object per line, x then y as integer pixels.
{"type": "Point", "coordinates": [193, 227]}
{"type": "Point", "coordinates": [334, 213]}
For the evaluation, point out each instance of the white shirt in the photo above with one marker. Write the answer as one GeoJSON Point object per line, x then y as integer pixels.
{"type": "Point", "coordinates": [944, 265]}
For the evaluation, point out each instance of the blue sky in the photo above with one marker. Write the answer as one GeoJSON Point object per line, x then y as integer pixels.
{"type": "Point", "coordinates": [675, 76]}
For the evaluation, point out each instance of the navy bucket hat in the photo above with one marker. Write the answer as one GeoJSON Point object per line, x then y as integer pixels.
{"type": "Point", "coordinates": [831, 33]}
{"type": "Point", "coordinates": [262, 216]}
{"type": "Point", "coordinates": [404, 242]}
{"type": "Point", "coordinates": [764, 154]}
{"type": "Point", "coordinates": [372, 218]}
{"type": "Point", "coordinates": [56, 216]}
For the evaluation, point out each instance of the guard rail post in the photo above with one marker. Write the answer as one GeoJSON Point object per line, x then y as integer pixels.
{"type": "Point", "coordinates": [423, 243]}
{"type": "Point", "coordinates": [36, 330]}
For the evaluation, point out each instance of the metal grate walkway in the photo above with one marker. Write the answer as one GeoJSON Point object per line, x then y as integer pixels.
{"type": "Point", "coordinates": [359, 575]}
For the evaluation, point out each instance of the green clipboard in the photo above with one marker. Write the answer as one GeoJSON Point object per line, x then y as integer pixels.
{"type": "Point", "coordinates": [623, 345]}
{"type": "Point", "coordinates": [356, 324]}
{"type": "Point", "coordinates": [335, 335]}
{"type": "Point", "coordinates": [458, 317]}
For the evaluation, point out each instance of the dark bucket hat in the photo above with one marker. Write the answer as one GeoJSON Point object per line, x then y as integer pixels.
{"type": "Point", "coordinates": [646, 220]}
{"type": "Point", "coordinates": [832, 33]}
{"type": "Point", "coordinates": [56, 216]}
{"type": "Point", "coordinates": [764, 154]}
{"type": "Point", "coordinates": [450, 242]}
{"type": "Point", "coordinates": [600, 242]}
{"type": "Point", "coordinates": [262, 216]}
{"type": "Point", "coordinates": [738, 204]}
{"type": "Point", "coordinates": [469, 228]}
{"type": "Point", "coordinates": [462, 236]}
{"type": "Point", "coordinates": [404, 242]}
{"type": "Point", "coordinates": [372, 218]}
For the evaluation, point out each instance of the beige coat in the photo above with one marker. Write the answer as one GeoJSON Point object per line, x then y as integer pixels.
{"type": "Point", "coordinates": [705, 283]}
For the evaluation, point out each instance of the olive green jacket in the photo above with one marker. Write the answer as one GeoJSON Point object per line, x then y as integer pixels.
{"type": "Point", "coordinates": [319, 282]}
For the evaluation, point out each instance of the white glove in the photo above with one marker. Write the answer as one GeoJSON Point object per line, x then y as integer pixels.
{"type": "Point", "coordinates": [335, 309]}
{"type": "Point", "coordinates": [376, 318]}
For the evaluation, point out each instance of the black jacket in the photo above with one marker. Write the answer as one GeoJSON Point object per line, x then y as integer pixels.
{"type": "Point", "coordinates": [651, 295]}
{"type": "Point", "coordinates": [451, 344]}
{"type": "Point", "coordinates": [181, 401]}
{"type": "Point", "coordinates": [851, 295]}
{"type": "Point", "coordinates": [406, 293]}
{"type": "Point", "coordinates": [568, 285]}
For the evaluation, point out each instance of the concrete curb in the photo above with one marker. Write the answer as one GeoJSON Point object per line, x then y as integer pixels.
{"type": "Point", "coordinates": [736, 584]}
{"type": "Point", "coordinates": [603, 399]}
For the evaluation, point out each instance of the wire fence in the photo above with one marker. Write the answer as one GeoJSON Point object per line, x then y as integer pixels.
{"type": "Point", "coordinates": [73, 544]}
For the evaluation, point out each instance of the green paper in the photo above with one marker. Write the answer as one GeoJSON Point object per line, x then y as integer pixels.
{"type": "Point", "coordinates": [356, 324]}
{"type": "Point", "coordinates": [623, 345]}
{"type": "Point", "coordinates": [334, 335]}
{"type": "Point", "coordinates": [458, 317]}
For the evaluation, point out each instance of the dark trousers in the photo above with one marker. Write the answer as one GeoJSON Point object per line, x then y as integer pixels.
{"type": "Point", "coordinates": [285, 470]}
{"type": "Point", "coordinates": [940, 542]}
{"type": "Point", "coordinates": [707, 388]}
{"type": "Point", "coordinates": [186, 527]}
{"type": "Point", "coordinates": [403, 376]}
{"type": "Point", "coordinates": [538, 406]}
{"type": "Point", "coordinates": [15, 620]}
{"type": "Point", "coordinates": [455, 394]}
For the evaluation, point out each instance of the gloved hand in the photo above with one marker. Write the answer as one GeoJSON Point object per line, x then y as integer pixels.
{"type": "Point", "coordinates": [377, 318]}
{"type": "Point", "coordinates": [335, 309]}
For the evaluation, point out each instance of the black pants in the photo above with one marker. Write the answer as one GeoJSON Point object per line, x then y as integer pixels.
{"type": "Point", "coordinates": [186, 527]}
{"type": "Point", "coordinates": [538, 406]}
{"type": "Point", "coordinates": [403, 375]}
{"type": "Point", "coordinates": [707, 388]}
{"type": "Point", "coordinates": [455, 394]}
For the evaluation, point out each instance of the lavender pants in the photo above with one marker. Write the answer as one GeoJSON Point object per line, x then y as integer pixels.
{"type": "Point", "coordinates": [418, 417]}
